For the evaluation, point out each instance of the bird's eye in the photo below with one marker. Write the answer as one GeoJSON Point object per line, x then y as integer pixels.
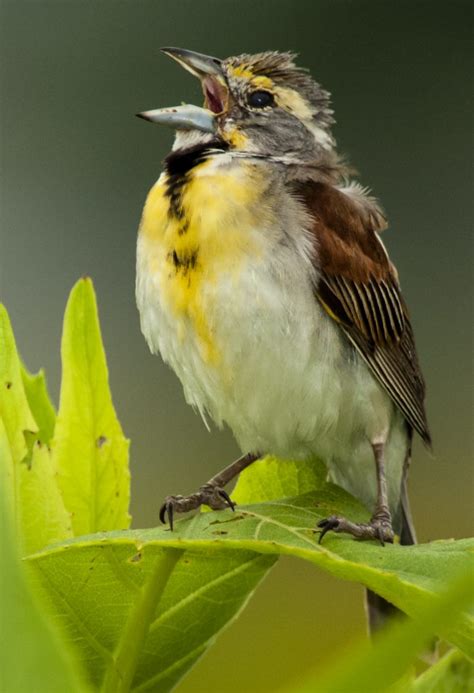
{"type": "Point", "coordinates": [260, 99]}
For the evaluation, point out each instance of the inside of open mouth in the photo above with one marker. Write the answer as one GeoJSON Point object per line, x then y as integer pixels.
{"type": "Point", "coordinates": [215, 95]}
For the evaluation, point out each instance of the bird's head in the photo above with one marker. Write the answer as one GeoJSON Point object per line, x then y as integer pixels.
{"type": "Point", "coordinates": [262, 104]}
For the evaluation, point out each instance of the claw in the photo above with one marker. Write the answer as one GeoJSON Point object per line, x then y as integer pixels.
{"type": "Point", "coordinates": [380, 535]}
{"type": "Point", "coordinates": [167, 509]}
{"type": "Point", "coordinates": [170, 509]}
{"type": "Point", "coordinates": [326, 526]}
{"type": "Point", "coordinates": [225, 496]}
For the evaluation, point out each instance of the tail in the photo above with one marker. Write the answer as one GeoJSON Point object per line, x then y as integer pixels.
{"type": "Point", "coordinates": [379, 611]}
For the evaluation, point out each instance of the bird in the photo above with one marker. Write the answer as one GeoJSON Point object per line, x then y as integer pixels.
{"type": "Point", "coordinates": [262, 280]}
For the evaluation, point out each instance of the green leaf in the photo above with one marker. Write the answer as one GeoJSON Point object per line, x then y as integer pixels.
{"type": "Point", "coordinates": [31, 654]}
{"type": "Point", "coordinates": [142, 613]}
{"type": "Point", "coordinates": [40, 404]}
{"type": "Point", "coordinates": [453, 673]}
{"type": "Point", "coordinates": [27, 471]}
{"type": "Point", "coordinates": [225, 555]}
{"type": "Point", "coordinates": [44, 519]}
{"type": "Point", "coordinates": [271, 478]}
{"type": "Point", "coordinates": [89, 448]}
{"type": "Point", "coordinates": [377, 668]}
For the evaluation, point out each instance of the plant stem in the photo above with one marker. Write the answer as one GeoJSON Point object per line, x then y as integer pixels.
{"type": "Point", "coordinates": [118, 678]}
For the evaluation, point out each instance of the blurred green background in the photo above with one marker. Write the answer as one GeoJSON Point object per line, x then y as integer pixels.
{"type": "Point", "coordinates": [76, 166]}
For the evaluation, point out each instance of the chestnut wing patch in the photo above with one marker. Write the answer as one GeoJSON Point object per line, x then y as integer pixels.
{"type": "Point", "coordinates": [358, 287]}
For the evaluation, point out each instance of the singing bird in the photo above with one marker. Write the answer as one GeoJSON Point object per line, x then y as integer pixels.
{"type": "Point", "coordinates": [263, 282]}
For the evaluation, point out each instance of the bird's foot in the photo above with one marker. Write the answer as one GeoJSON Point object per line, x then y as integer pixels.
{"type": "Point", "coordinates": [379, 527]}
{"type": "Point", "coordinates": [209, 494]}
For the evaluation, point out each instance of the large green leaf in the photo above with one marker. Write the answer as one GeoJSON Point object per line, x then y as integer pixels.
{"type": "Point", "coordinates": [28, 475]}
{"type": "Point", "coordinates": [89, 448]}
{"type": "Point", "coordinates": [379, 667]}
{"type": "Point", "coordinates": [225, 555]}
{"type": "Point", "coordinates": [32, 657]}
{"type": "Point", "coordinates": [130, 623]}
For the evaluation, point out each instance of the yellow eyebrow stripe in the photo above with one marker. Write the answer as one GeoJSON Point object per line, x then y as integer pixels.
{"type": "Point", "coordinates": [294, 102]}
{"type": "Point", "coordinates": [257, 81]}
{"type": "Point", "coordinates": [242, 71]}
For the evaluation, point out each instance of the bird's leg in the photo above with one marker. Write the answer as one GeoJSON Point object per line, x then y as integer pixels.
{"type": "Point", "coordinates": [380, 525]}
{"type": "Point", "coordinates": [211, 493]}
{"type": "Point", "coordinates": [382, 517]}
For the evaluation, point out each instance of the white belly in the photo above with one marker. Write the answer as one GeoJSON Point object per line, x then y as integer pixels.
{"type": "Point", "coordinates": [286, 380]}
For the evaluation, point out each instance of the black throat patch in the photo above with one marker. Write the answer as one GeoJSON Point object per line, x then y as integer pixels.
{"type": "Point", "coordinates": [178, 165]}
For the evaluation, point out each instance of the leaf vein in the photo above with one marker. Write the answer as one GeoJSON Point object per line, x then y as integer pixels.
{"type": "Point", "coordinates": [202, 590]}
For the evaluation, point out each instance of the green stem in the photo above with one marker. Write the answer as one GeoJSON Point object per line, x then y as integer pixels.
{"type": "Point", "coordinates": [118, 678]}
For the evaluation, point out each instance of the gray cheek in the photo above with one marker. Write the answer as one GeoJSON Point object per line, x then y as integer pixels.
{"type": "Point", "coordinates": [280, 136]}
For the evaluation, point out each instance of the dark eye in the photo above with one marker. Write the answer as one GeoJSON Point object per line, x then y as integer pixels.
{"type": "Point", "coordinates": [260, 99]}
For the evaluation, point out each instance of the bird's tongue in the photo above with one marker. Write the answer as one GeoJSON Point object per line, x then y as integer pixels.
{"type": "Point", "coordinates": [215, 94]}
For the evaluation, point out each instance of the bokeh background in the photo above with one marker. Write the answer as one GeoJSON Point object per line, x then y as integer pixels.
{"type": "Point", "coordinates": [76, 166]}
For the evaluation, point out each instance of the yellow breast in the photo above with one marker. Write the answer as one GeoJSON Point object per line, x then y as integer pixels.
{"type": "Point", "coordinates": [196, 232]}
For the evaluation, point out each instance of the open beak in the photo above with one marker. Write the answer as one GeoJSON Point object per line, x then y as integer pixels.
{"type": "Point", "coordinates": [188, 117]}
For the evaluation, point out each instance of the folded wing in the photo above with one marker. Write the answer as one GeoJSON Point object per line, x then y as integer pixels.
{"type": "Point", "coordinates": [358, 287]}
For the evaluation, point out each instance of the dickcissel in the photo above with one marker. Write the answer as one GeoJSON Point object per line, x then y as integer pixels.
{"type": "Point", "coordinates": [263, 282]}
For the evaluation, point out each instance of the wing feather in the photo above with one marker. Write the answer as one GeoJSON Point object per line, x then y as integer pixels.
{"type": "Point", "coordinates": [358, 287]}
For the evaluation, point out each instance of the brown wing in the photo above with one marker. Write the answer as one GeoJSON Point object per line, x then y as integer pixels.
{"type": "Point", "coordinates": [358, 287]}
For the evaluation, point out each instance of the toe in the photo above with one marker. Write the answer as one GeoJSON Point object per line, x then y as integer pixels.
{"type": "Point", "coordinates": [225, 496]}
{"type": "Point", "coordinates": [326, 525]}
{"type": "Point", "coordinates": [167, 512]}
{"type": "Point", "coordinates": [380, 534]}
